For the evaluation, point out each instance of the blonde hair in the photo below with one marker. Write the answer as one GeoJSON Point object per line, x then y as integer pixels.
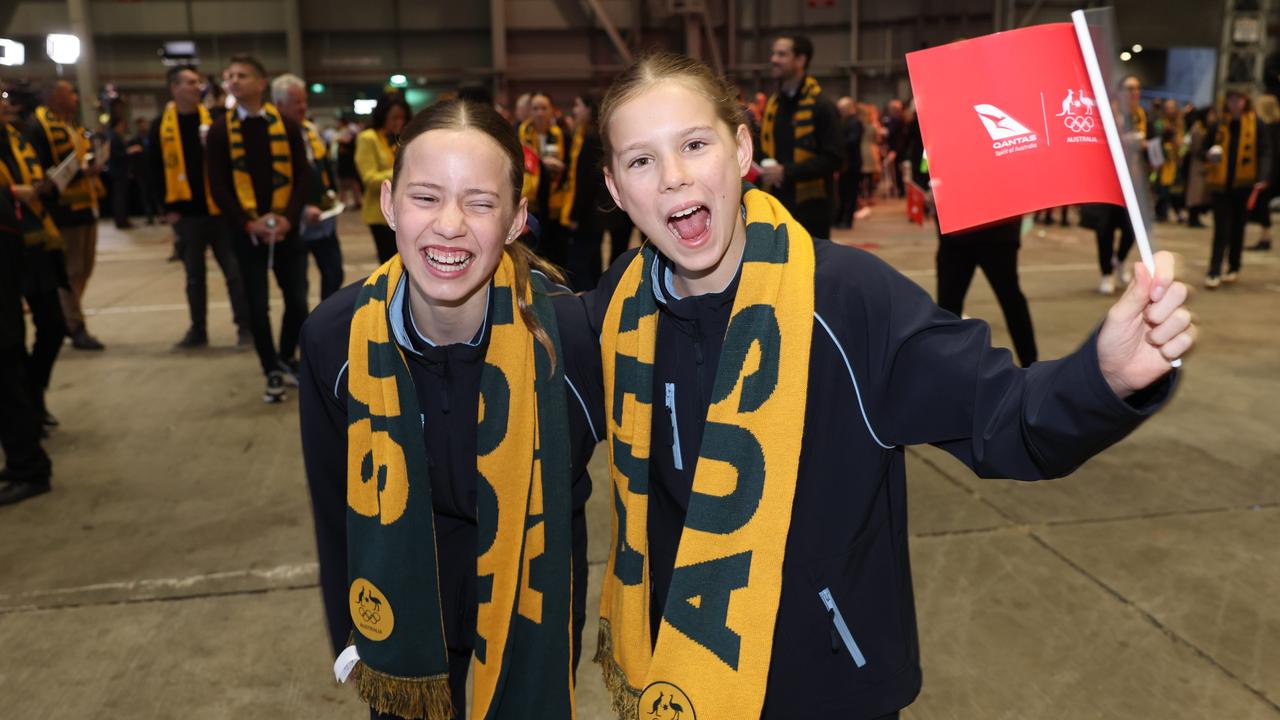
{"type": "Point", "coordinates": [657, 67]}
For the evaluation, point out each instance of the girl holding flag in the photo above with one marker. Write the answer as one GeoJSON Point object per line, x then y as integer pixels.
{"type": "Point", "coordinates": [760, 386]}
{"type": "Point", "coordinates": [446, 444]}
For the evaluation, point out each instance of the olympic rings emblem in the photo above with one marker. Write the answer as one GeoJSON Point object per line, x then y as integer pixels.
{"type": "Point", "coordinates": [1077, 123]}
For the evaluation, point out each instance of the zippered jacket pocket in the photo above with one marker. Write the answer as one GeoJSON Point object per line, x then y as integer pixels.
{"type": "Point", "coordinates": [840, 629]}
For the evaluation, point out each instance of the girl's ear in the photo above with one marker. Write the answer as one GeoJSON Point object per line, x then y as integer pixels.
{"type": "Point", "coordinates": [746, 150]}
{"type": "Point", "coordinates": [387, 201]}
{"type": "Point", "coordinates": [516, 229]}
{"type": "Point", "coordinates": [613, 188]}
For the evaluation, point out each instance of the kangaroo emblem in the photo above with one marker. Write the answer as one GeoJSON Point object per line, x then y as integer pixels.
{"type": "Point", "coordinates": [1067, 102]}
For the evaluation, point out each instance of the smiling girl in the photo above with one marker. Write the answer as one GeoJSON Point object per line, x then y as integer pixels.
{"type": "Point", "coordinates": [446, 444]}
{"type": "Point", "coordinates": [760, 388]}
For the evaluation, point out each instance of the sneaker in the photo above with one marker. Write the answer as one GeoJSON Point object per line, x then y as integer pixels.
{"type": "Point", "coordinates": [82, 340]}
{"type": "Point", "coordinates": [1260, 246]}
{"type": "Point", "coordinates": [1122, 276]}
{"type": "Point", "coordinates": [195, 338]}
{"type": "Point", "coordinates": [275, 388]}
{"type": "Point", "coordinates": [1232, 277]}
{"type": "Point", "coordinates": [16, 492]}
{"type": "Point", "coordinates": [290, 370]}
{"type": "Point", "coordinates": [1107, 286]}
{"type": "Point", "coordinates": [1212, 282]}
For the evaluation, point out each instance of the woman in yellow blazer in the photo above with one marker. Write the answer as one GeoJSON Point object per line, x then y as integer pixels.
{"type": "Point", "coordinates": [375, 153]}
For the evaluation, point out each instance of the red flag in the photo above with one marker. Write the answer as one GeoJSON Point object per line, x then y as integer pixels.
{"type": "Point", "coordinates": [915, 203]}
{"type": "Point", "coordinates": [1010, 126]}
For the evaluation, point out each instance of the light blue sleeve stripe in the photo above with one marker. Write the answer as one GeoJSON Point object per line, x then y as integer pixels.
{"type": "Point", "coordinates": [583, 405]}
{"type": "Point", "coordinates": [338, 380]}
{"type": "Point", "coordinates": [854, 378]}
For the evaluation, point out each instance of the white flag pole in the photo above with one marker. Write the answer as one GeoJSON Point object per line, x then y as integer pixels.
{"type": "Point", "coordinates": [1102, 101]}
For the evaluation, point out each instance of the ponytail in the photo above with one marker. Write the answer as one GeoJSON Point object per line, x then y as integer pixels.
{"type": "Point", "coordinates": [525, 261]}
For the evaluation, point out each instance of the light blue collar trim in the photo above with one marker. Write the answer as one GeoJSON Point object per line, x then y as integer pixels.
{"type": "Point", "coordinates": [395, 315]}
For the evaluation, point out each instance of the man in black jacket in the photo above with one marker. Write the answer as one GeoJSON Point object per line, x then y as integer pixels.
{"type": "Point", "coordinates": [27, 467]}
{"type": "Point", "coordinates": [176, 165]}
{"type": "Point", "coordinates": [55, 135]}
{"type": "Point", "coordinates": [800, 148]}
{"type": "Point", "coordinates": [264, 237]}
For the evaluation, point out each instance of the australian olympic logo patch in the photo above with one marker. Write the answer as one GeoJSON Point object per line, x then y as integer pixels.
{"type": "Point", "coordinates": [370, 612]}
{"type": "Point", "coordinates": [664, 701]}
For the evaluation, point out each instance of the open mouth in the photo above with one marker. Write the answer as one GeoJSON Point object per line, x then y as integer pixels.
{"type": "Point", "coordinates": [446, 262]}
{"type": "Point", "coordinates": [690, 225]}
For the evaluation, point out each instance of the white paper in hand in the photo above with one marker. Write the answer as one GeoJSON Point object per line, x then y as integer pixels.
{"type": "Point", "coordinates": [345, 663]}
{"type": "Point", "coordinates": [64, 172]}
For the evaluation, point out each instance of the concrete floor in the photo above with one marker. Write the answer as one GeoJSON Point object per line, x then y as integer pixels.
{"type": "Point", "coordinates": [172, 571]}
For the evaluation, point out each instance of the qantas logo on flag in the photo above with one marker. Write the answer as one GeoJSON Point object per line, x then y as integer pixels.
{"type": "Point", "coordinates": [1007, 135]}
{"type": "Point", "coordinates": [998, 123]}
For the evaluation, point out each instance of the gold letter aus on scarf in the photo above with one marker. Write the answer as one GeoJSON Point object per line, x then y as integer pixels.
{"type": "Point", "coordinates": [715, 641]}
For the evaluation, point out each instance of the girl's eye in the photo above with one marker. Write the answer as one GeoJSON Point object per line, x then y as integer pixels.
{"type": "Point", "coordinates": [424, 198]}
{"type": "Point", "coordinates": [638, 162]}
{"type": "Point", "coordinates": [695, 145]}
{"type": "Point", "coordinates": [482, 206]}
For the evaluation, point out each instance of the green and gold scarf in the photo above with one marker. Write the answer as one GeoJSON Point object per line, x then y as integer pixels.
{"type": "Point", "coordinates": [37, 227]}
{"type": "Point", "coordinates": [523, 653]}
{"type": "Point", "coordinates": [176, 186]}
{"type": "Point", "coordinates": [1246, 154]}
{"type": "Point", "coordinates": [65, 138]}
{"type": "Point", "coordinates": [716, 638]}
{"type": "Point", "coordinates": [318, 155]}
{"type": "Point", "coordinates": [281, 162]}
{"type": "Point", "coordinates": [806, 142]}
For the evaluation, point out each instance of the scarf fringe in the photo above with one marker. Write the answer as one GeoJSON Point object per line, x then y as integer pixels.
{"type": "Point", "coordinates": [426, 698]}
{"type": "Point", "coordinates": [624, 698]}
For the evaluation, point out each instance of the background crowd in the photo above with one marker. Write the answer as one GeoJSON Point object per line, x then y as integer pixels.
{"type": "Point", "coordinates": [236, 165]}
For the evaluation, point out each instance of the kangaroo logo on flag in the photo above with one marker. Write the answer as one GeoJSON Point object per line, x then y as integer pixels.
{"type": "Point", "coordinates": [998, 123]}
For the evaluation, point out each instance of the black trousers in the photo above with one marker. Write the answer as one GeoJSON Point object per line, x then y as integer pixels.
{"type": "Point", "coordinates": [44, 272]}
{"type": "Point", "coordinates": [583, 265]}
{"type": "Point", "coordinates": [619, 226]}
{"type": "Point", "coordinates": [384, 242]}
{"type": "Point", "coordinates": [120, 187]}
{"type": "Point", "coordinates": [995, 250]}
{"type": "Point", "coordinates": [195, 236]}
{"type": "Point", "coordinates": [459, 665]}
{"type": "Point", "coordinates": [849, 181]}
{"type": "Point", "coordinates": [552, 242]}
{"type": "Point", "coordinates": [1229, 216]}
{"type": "Point", "coordinates": [815, 216]}
{"type": "Point", "coordinates": [20, 420]}
{"type": "Point", "coordinates": [1113, 218]}
{"type": "Point", "coordinates": [289, 265]}
{"type": "Point", "coordinates": [328, 256]}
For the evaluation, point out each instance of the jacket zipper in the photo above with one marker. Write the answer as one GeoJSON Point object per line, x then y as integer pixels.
{"type": "Point", "coordinates": [675, 429]}
{"type": "Point", "coordinates": [840, 630]}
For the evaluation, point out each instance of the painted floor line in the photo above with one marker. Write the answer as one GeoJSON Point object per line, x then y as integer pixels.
{"type": "Point", "coordinates": [279, 575]}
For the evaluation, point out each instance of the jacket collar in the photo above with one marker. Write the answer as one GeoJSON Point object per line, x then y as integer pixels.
{"type": "Point", "coordinates": [400, 318]}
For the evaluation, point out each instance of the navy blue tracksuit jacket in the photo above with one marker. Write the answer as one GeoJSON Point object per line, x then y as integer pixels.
{"type": "Point", "coordinates": [887, 369]}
